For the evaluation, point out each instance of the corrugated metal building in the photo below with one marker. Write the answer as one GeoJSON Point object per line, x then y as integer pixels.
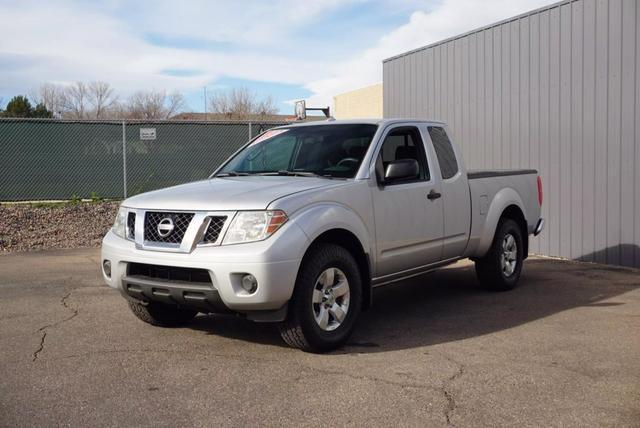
{"type": "Point", "coordinates": [556, 89]}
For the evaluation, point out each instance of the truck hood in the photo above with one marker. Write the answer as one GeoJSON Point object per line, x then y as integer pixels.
{"type": "Point", "coordinates": [226, 194]}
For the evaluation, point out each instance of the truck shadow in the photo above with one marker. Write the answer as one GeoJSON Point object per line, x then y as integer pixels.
{"type": "Point", "coordinates": [448, 305]}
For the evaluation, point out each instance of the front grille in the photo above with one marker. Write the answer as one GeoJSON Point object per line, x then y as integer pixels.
{"type": "Point", "coordinates": [180, 224]}
{"type": "Point", "coordinates": [169, 273]}
{"type": "Point", "coordinates": [213, 230]}
{"type": "Point", "coordinates": [131, 225]}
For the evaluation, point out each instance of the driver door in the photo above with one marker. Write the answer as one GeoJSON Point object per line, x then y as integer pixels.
{"type": "Point", "coordinates": [409, 224]}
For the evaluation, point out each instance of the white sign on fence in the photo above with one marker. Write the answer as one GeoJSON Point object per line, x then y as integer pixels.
{"type": "Point", "coordinates": [147, 133]}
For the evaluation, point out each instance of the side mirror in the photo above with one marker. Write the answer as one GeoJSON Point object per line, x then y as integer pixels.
{"type": "Point", "coordinates": [301, 110]}
{"type": "Point", "coordinates": [401, 169]}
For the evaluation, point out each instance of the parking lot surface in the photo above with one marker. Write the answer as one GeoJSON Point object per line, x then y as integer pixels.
{"type": "Point", "coordinates": [560, 350]}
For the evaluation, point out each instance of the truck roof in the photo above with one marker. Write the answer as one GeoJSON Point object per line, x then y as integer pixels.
{"type": "Point", "coordinates": [364, 122]}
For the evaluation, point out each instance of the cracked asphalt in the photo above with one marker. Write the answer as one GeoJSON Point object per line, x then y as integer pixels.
{"type": "Point", "coordinates": [563, 349]}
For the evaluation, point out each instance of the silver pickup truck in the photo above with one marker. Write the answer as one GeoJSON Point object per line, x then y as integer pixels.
{"type": "Point", "coordinates": [300, 225]}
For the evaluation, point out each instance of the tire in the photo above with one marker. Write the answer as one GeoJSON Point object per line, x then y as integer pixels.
{"type": "Point", "coordinates": [492, 273]}
{"type": "Point", "coordinates": [319, 300]}
{"type": "Point", "coordinates": [161, 315]}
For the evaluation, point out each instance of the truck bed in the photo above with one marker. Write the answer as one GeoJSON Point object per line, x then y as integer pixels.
{"type": "Point", "coordinates": [507, 186]}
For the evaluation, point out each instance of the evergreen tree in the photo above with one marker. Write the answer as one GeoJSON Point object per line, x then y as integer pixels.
{"type": "Point", "coordinates": [41, 111]}
{"type": "Point", "coordinates": [19, 106]}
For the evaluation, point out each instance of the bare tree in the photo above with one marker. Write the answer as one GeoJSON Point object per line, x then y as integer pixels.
{"type": "Point", "coordinates": [239, 103]}
{"type": "Point", "coordinates": [117, 110]}
{"type": "Point", "coordinates": [266, 106]}
{"type": "Point", "coordinates": [98, 100]}
{"type": "Point", "coordinates": [146, 105]}
{"type": "Point", "coordinates": [175, 104]}
{"type": "Point", "coordinates": [102, 98]}
{"type": "Point", "coordinates": [52, 96]}
{"type": "Point", "coordinates": [76, 100]}
{"type": "Point", "coordinates": [154, 104]}
{"type": "Point", "coordinates": [220, 103]}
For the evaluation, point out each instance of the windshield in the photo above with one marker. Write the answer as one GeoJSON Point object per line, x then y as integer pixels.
{"type": "Point", "coordinates": [323, 150]}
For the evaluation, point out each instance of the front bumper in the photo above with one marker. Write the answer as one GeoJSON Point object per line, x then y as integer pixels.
{"type": "Point", "coordinates": [202, 297]}
{"type": "Point", "coordinates": [274, 262]}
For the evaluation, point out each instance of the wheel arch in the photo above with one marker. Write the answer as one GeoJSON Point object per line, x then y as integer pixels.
{"type": "Point", "coordinates": [338, 224]}
{"type": "Point", "coordinates": [514, 212]}
{"type": "Point", "coordinates": [505, 204]}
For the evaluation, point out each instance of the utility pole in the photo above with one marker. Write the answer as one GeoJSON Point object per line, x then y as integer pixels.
{"type": "Point", "coordinates": [205, 103]}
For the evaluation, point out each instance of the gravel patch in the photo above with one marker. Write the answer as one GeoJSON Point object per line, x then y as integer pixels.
{"type": "Point", "coordinates": [26, 227]}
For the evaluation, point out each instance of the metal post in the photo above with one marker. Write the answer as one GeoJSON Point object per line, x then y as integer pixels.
{"type": "Point", "coordinates": [205, 104]}
{"type": "Point", "coordinates": [124, 157]}
{"type": "Point", "coordinates": [250, 132]}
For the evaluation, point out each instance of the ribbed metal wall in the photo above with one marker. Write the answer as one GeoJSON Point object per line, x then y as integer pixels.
{"type": "Point", "coordinates": [557, 90]}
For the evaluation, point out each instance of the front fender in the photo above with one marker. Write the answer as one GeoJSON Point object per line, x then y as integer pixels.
{"type": "Point", "coordinates": [504, 198]}
{"type": "Point", "coordinates": [322, 217]}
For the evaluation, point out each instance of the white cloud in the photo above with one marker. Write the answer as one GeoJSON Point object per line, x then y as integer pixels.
{"type": "Point", "coordinates": [69, 40]}
{"type": "Point", "coordinates": [248, 22]}
{"type": "Point", "coordinates": [449, 18]}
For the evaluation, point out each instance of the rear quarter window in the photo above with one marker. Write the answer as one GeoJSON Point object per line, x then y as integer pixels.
{"type": "Point", "coordinates": [444, 151]}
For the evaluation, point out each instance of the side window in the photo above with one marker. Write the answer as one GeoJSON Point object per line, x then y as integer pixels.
{"type": "Point", "coordinates": [444, 151]}
{"type": "Point", "coordinates": [403, 143]}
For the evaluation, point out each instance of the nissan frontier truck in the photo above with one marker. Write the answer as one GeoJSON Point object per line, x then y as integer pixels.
{"type": "Point", "coordinates": [300, 224]}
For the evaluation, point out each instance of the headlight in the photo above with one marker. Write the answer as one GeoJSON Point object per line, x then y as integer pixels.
{"type": "Point", "coordinates": [119, 225]}
{"type": "Point", "coordinates": [250, 226]}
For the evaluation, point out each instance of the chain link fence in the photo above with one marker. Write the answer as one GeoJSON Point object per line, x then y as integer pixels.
{"type": "Point", "coordinates": [55, 160]}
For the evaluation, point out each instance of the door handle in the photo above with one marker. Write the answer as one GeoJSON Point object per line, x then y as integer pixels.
{"type": "Point", "coordinates": [433, 195]}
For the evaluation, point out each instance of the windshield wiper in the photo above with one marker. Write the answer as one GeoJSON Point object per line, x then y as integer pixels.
{"type": "Point", "coordinates": [297, 173]}
{"type": "Point", "coordinates": [286, 172]}
{"type": "Point", "coordinates": [232, 174]}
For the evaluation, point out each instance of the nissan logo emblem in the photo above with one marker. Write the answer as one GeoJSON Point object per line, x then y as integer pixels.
{"type": "Point", "coordinates": [165, 227]}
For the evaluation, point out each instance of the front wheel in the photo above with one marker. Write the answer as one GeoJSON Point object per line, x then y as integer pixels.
{"type": "Point", "coordinates": [500, 268]}
{"type": "Point", "coordinates": [326, 300]}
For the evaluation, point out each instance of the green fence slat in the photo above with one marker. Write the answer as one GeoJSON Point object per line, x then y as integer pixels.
{"type": "Point", "coordinates": [51, 159]}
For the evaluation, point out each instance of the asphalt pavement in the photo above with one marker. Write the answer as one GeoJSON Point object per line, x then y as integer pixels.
{"type": "Point", "coordinates": [563, 349]}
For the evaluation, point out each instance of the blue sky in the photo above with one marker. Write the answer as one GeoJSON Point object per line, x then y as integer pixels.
{"type": "Point", "coordinates": [361, 20]}
{"type": "Point", "coordinates": [283, 48]}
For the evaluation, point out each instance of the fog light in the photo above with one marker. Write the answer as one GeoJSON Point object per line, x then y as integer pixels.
{"type": "Point", "coordinates": [106, 267]}
{"type": "Point", "coordinates": [249, 283]}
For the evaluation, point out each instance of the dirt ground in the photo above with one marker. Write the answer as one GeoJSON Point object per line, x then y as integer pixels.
{"type": "Point", "coordinates": [27, 227]}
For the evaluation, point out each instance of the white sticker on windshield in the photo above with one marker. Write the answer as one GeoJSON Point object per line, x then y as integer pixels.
{"type": "Point", "coordinates": [269, 134]}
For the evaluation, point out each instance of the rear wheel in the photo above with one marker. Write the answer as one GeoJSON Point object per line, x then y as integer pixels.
{"type": "Point", "coordinates": [326, 301]}
{"type": "Point", "coordinates": [161, 315]}
{"type": "Point", "coordinates": [500, 268]}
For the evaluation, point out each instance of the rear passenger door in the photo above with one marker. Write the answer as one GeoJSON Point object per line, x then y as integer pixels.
{"type": "Point", "coordinates": [409, 224]}
{"type": "Point", "coordinates": [455, 193]}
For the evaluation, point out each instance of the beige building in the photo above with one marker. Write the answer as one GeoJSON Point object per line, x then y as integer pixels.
{"type": "Point", "coordinates": [360, 103]}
